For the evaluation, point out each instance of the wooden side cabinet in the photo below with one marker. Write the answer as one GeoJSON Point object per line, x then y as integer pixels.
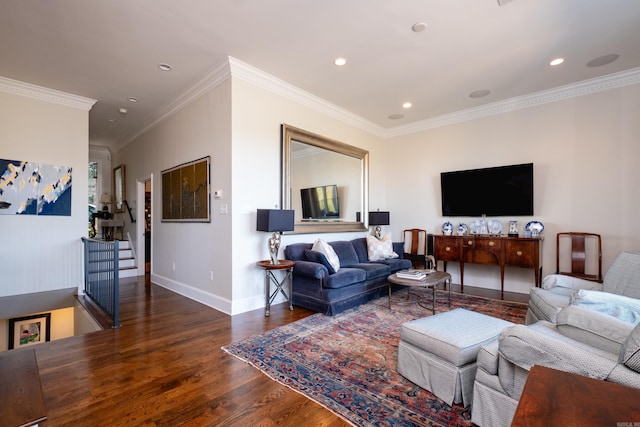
{"type": "Point", "coordinates": [503, 251]}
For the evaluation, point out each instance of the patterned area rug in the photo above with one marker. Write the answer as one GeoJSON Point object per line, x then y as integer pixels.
{"type": "Point", "coordinates": [347, 363]}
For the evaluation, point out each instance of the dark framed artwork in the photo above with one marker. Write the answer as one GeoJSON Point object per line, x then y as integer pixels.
{"type": "Point", "coordinates": [29, 330]}
{"type": "Point", "coordinates": [186, 193]}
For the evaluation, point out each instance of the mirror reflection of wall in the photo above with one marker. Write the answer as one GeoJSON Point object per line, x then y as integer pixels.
{"type": "Point", "coordinates": [314, 161]}
{"type": "Point", "coordinates": [119, 188]}
{"type": "Point", "coordinates": [313, 167]}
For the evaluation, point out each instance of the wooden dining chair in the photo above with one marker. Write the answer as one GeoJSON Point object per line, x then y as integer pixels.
{"type": "Point", "coordinates": [415, 248]}
{"type": "Point", "coordinates": [579, 254]}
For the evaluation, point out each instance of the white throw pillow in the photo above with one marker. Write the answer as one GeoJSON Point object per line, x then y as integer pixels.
{"type": "Point", "coordinates": [326, 249]}
{"type": "Point", "coordinates": [380, 249]}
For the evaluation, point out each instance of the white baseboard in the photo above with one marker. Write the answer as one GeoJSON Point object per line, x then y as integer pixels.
{"type": "Point", "coordinates": [213, 301]}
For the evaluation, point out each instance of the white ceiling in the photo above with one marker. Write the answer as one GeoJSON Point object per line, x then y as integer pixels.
{"type": "Point", "coordinates": [109, 50]}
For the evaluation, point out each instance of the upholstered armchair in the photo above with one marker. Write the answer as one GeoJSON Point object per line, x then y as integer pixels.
{"type": "Point", "coordinates": [557, 291]}
{"type": "Point", "coordinates": [584, 341]}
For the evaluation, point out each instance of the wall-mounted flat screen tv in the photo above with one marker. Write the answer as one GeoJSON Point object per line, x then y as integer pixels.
{"type": "Point", "coordinates": [320, 202]}
{"type": "Point", "coordinates": [496, 191]}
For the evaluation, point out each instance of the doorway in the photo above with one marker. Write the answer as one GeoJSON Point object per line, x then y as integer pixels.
{"type": "Point", "coordinates": [144, 220]}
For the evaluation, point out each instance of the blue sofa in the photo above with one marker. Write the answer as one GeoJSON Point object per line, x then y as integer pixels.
{"type": "Point", "coordinates": [356, 282]}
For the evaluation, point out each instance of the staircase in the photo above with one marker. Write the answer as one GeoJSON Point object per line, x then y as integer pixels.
{"type": "Point", "coordinates": [127, 262]}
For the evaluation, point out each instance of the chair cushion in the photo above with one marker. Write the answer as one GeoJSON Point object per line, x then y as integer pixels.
{"type": "Point", "coordinates": [380, 249]}
{"type": "Point", "coordinates": [630, 352]}
{"type": "Point", "coordinates": [320, 258]}
{"type": "Point", "coordinates": [327, 250]}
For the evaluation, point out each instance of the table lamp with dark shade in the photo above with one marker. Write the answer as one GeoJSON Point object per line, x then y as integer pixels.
{"type": "Point", "coordinates": [378, 218]}
{"type": "Point", "coordinates": [276, 221]}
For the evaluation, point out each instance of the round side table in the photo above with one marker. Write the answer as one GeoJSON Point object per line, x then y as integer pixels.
{"type": "Point", "coordinates": [269, 276]}
{"type": "Point", "coordinates": [431, 281]}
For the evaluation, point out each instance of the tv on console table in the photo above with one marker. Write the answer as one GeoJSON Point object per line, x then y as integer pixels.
{"type": "Point", "coordinates": [504, 251]}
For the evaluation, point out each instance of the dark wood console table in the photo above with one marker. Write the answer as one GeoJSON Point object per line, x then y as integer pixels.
{"type": "Point", "coordinates": [21, 398]}
{"type": "Point", "coordinates": [556, 398]}
{"type": "Point", "coordinates": [504, 251]}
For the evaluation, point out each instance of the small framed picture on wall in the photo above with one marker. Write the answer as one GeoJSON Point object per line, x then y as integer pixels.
{"type": "Point", "coordinates": [29, 330]}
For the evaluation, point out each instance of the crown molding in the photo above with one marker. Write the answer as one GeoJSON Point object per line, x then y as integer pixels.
{"type": "Point", "coordinates": [585, 87]}
{"type": "Point", "coordinates": [232, 67]}
{"type": "Point", "coordinates": [207, 82]}
{"type": "Point", "coordinates": [40, 93]}
{"type": "Point", "coordinates": [273, 84]}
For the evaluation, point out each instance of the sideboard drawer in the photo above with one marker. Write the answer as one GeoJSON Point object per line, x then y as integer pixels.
{"type": "Point", "coordinates": [522, 253]}
{"type": "Point", "coordinates": [446, 248]}
{"type": "Point", "coordinates": [481, 249]}
{"type": "Point", "coordinates": [483, 243]}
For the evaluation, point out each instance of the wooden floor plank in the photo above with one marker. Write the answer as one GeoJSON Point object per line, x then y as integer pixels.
{"type": "Point", "coordinates": [165, 367]}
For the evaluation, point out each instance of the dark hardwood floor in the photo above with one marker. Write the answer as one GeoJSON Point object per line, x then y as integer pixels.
{"type": "Point", "coordinates": [164, 367]}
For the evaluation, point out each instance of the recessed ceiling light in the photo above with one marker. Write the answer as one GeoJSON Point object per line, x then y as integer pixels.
{"type": "Point", "coordinates": [479, 93]}
{"type": "Point", "coordinates": [418, 27]}
{"type": "Point", "coordinates": [603, 60]}
{"type": "Point", "coordinates": [133, 99]}
{"type": "Point", "coordinates": [340, 62]}
{"type": "Point", "coordinates": [407, 105]}
{"type": "Point", "coordinates": [396, 116]}
{"type": "Point", "coordinates": [164, 67]}
{"type": "Point", "coordinates": [556, 61]}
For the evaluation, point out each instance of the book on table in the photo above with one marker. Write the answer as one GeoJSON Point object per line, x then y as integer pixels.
{"type": "Point", "coordinates": [413, 274]}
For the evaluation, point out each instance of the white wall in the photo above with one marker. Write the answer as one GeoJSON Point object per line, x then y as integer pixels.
{"type": "Point", "coordinates": [240, 130]}
{"type": "Point", "coordinates": [41, 253]}
{"type": "Point", "coordinates": [585, 152]}
{"type": "Point", "coordinates": [257, 116]}
{"type": "Point", "coordinates": [202, 128]}
{"type": "Point", "coordinates": [102, 157]}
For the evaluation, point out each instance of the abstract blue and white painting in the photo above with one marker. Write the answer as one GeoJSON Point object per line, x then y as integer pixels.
{"type": "Point", "coordinates": [30, 188]}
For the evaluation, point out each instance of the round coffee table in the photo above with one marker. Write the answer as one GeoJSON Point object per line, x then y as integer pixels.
{"type": "Point", "coordinates": [432, 280]}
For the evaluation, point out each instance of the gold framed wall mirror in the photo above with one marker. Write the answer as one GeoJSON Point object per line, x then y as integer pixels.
{"type": "Point", "coordinates": [315, 170]}
{"type": "Point", "coordinates": [119, 194]}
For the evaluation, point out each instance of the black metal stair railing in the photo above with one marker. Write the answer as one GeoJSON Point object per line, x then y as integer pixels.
{"type": "Point", "coordinates": [101, 280]}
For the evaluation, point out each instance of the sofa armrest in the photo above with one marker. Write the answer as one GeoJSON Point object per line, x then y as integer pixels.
{"type": "Point", "coordinates": [310, 269]}
{"type": "Point", "coordinates": [565, 284]}
{"type": "Point", "coordinates": [526, 346]}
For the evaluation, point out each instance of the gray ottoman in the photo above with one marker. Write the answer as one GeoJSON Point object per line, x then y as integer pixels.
{"type": "Point", "coordinates": [439, 353]}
